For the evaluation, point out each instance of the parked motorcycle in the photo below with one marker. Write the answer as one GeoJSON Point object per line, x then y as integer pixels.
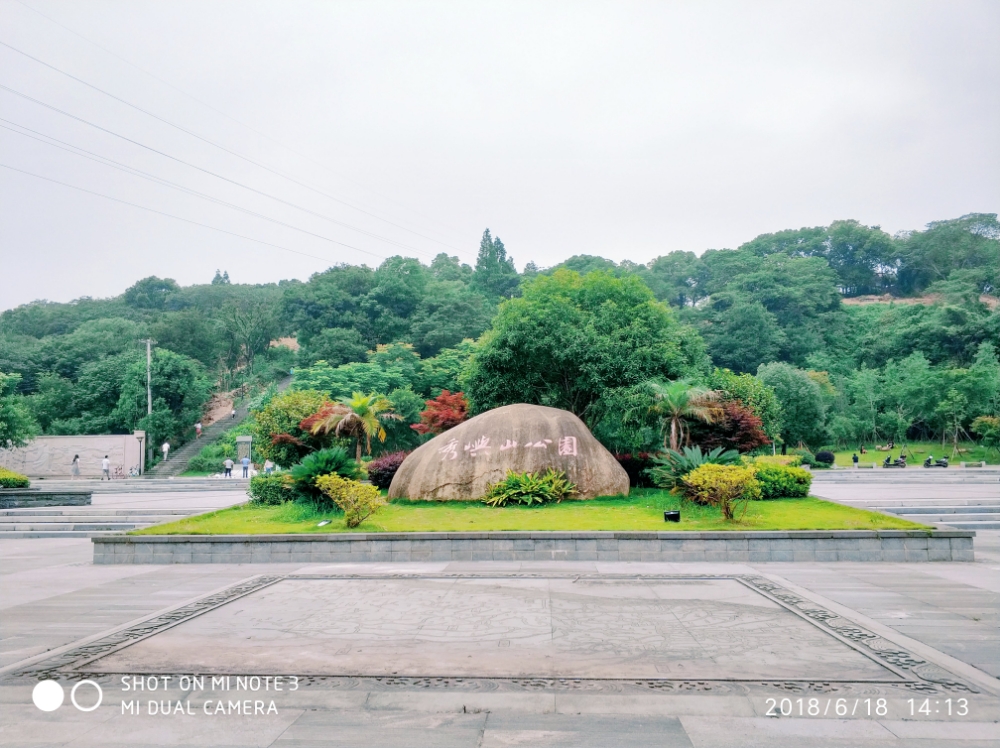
{"type": "Point", "coordinates": [899, 462]}
{"type": "Point", "coordinates": [930, 462]}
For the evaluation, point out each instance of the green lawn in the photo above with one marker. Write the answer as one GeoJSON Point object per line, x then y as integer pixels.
{"type": "Point", "coordinates": [642, 510]}
{"type": "Point", "coordinates": [971, 452]}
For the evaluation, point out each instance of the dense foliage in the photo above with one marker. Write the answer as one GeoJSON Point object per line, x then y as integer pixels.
{"type": "Point", "coordinates": [830, 335]}
{"type": "Point", "coordinates": [569, 339]}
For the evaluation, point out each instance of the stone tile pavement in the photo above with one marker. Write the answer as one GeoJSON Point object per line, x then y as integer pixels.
{"type": "Point", "coordinates": [53, 600]}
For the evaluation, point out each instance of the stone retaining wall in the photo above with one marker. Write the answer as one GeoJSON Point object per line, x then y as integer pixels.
{"type": "Point", "coordinates": [755, 547]}
{"type": "Point", "coordinates": [21, 498]}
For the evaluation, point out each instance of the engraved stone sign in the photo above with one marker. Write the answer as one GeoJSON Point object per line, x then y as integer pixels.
{"type": "Point", "coordinates": [462, 462]}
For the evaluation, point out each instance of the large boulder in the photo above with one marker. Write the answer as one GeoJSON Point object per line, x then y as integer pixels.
{"type": "Point", "coordinates": [462, 462]}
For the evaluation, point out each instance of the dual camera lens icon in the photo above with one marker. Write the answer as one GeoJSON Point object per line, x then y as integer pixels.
{"type": "Point", "coordinates": [49, 695]}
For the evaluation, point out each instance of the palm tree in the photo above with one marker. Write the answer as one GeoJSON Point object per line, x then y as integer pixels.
{"type": "Point", "coordinates": [675, 402]}
{"type": "Point", "coordinates": [359, 417]}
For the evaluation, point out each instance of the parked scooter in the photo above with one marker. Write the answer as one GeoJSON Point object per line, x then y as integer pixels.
{"type": "Point", "coordinates": [899, 462]}
{"type": "Point", "coordinates": [930, 462]}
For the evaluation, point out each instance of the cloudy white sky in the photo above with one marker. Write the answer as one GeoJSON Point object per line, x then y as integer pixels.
{"type": "Point", "coordinates": [625, 129]}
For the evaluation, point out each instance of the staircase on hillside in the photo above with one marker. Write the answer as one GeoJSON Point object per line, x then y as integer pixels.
{"type": "Point", "coordinates": [178, 461]}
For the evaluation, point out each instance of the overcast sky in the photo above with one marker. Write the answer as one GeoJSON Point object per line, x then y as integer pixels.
{"type": "Point", "coordinates": [622, 129]}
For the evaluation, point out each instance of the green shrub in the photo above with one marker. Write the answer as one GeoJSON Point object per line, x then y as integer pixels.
{"type": "Point", "coordinates": [782, 481]}
{"type": "Point", "coordinates": [825, 457]}
{"type": "Point", "coordinates": [724, 486]}
{"type": "Point", "coordinates": [356, 500]}
{"type": "Point", "coordinates": [807, 457]}
{"type": "Point", "coordinates": [10, 479]}
{"type": "Point", "coordinates": [334, 461]}
{"type": "Point", "coordinates": [271, 490]}
{"type": "Point", "coordinates": [530, 488]}
{"type": "Point", "coordinates": [670, 467]}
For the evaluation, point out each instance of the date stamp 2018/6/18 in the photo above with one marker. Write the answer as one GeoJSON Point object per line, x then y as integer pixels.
{"type": "Point", "coordinates": [803, 707]}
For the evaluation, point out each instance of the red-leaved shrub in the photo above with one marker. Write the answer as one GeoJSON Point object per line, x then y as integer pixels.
{"type": "Point", "coordinates": [445, 411]}
{"type": "Point", "coordinates": [382, 469]}
{"type": "Point", "coordinates": [738, 428]}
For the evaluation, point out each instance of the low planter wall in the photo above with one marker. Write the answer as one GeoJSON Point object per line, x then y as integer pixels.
{"type": "Point", "coordinates": [22, 498]}
{"type": "Point", "coordinates": [860, 545]}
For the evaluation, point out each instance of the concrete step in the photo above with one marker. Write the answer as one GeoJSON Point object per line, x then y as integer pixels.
{"type": "Point", "coordinates": [909, 475]}
{"type": "Point", "coordinates": [70, 526]}
{"type": "Point", "coordinates": [950, 518]}
{"type": "Point", "coordinates": [88, 511]}
{"type": "Point", "coordinates": [52, 534]}
{"type": "Point", "coordinates": [140, 485]}
{"type": "Point", "coordinates": [934, 502]}
{"type": "Point", "coordinates": [6, 521]}
{"type": "Point", "coordinates": [972, 525]}
{"type": "Point", "coordinates": [978, 509]}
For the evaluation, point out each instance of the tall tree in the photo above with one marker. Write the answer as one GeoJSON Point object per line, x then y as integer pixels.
{"type": "Point", "coordinates": [495, 274]}
{"type": "Point", "coordinates": [801, 401]}
{"type": "Point", "coordinates": [17, 425]}
{"type": "Point", "coordinates": [569, 340]}
{"type": "Point", "coordinates": [250, 322]}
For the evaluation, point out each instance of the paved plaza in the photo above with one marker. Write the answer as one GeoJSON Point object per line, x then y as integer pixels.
{"type": "Point", "coordinates": [500, 654]}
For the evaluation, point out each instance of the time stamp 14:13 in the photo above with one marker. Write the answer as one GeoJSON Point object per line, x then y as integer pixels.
{"type": "Point", "coordinates": [864, 707]}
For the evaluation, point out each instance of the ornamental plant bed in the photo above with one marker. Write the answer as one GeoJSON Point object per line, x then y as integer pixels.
{"type": "Point", "coordinates": [642, 510]}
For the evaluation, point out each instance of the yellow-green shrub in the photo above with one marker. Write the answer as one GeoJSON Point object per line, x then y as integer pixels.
{"type": "Point", "coordinates": [10, 479]}
{"type": "Point", "coordinates": [724, 486]}
{"type": "Point", "coordinates": [357, 500]}
{"type": "Point", "coordinates": [788, 460]}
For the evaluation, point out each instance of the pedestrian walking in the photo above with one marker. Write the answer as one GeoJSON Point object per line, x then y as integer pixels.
{"type": "Point", "coordinates": [74, 467]}
{"type": "Point", "coordinates": [268, 467]}
{"type": "Point", "coordinates": [854, 459]}
{"type": "Point", "coordinates": [234, 414]}
{"type": "Point", "coordinates": [105, 468]}
{"type": "Point", "coordinates": [245, 462]}
{"type": "Point", "coordinates": [228, 465]}
{"type": "Point", "coordinates": [166, 450]}
{"type": "Point", "coordinates": [197, 430]}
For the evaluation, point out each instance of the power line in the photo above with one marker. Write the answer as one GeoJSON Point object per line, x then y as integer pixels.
{"type": "Point", "coordinates": [185, 220]}
{"type": "Point", "coordinates": [212, 173]}
{"type": "Point", "coordinates": [82, 152]}
{"type": "Point", "coordinates": [221, 147]}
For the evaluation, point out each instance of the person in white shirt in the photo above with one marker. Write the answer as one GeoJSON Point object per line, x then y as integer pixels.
{"type": "Point", "coordinates": [228, 464]}
{"type": "Point", "coordinates": [166, 449]}
{"type": "Point", "coordinates": [105, 468]}
{"type": "Point", "coordinates": [197, 430]}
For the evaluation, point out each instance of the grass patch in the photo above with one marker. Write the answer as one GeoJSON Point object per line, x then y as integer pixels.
{"type": "Point", "coordinates": [916, 452]}
{"type": "Point", "coordinates": [642, 510]}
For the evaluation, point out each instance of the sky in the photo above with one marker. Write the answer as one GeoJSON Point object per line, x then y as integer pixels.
{"type": "Point", "coordinates": [274, 139]}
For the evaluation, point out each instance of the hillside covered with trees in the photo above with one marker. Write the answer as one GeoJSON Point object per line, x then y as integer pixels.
{"type": "Point", "coordinates": [875, 337]}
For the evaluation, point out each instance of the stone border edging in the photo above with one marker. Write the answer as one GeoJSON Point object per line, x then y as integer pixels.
{"type": "Point", "coordinates": [739, 547]}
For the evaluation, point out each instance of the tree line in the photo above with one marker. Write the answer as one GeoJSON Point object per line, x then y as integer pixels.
{"type": "Point", "coordinates": [583, 335]}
